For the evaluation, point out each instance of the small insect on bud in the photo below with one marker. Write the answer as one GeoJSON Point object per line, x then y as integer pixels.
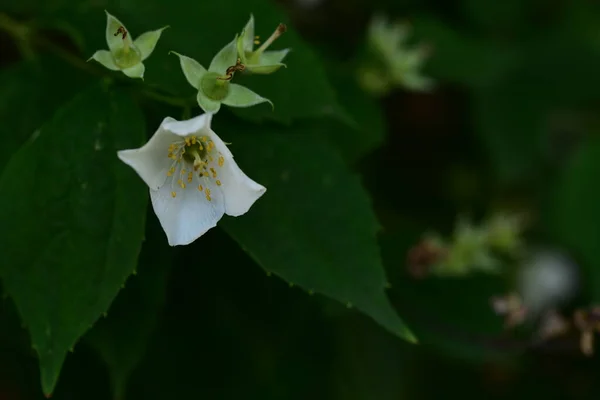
{"type": "Point", "coordinates": [121, 31]}
{"type": "Point", "coordinates": [233, 69]}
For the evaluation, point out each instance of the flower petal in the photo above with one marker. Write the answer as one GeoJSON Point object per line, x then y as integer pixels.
{"type": "Point", "coordinates": [239, 191]}
{"type": "Point", "coordinates": [115, 41]}
{"type": "Point", "coordinates": [264, 69]}
{"type": "Point", "coordinates": [273, 57]}
{"type": "Point", "coordinates": [188, 127]}
{"type": "Point", "coordinates": [192, 69]}
{"type": "Point", "coordinates": [151, 161]}
{"type": "Point", "coordinates": [241, 96]}
{"type": "Point", "coordinates": [137, 71]}
{"type": "Point", "coordinates": [414, 81]}
{"type": "Point", "coordinates": [146, 42]}
{"type": "Point", "coordinates": [206, 104]}
{"type": "Point", "coordinates": [225, 58]}
{"type": "Point", "coordinates": [105, 58]}
{"type": "Point", "coordinates": [248, 34]}
{"type": "Point", "coordinates": [189, 214]}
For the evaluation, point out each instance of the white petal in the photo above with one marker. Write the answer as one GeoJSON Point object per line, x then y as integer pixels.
{"type": "Point", "coordinates": [189, 215]}
{"type": "Point", "coordinates": [188, 127]}
{"type": "Point", "coordinates": [146, 42]}
{"type": "Point", "coordinates": [273, 57]}
{"type": "Point", "coordinates": [115, 40]}
{"type": "Point", "coordinates": [192, 69]}
{"type": "Point", "coordinates": [239, 190]}
{"type": "Point", "coordinates": [151, 161]}
{"type": "Point", "coordinates": [248, 33]}
{"type": "Point", "coordinates": [137, 71]}
{"type": "Point", "coordinates": [206, 104]}
{"type": "Point", "coordinates": [416, 82]}
{"type": "Point", "coordinates": [241, 96]}
{"type": "Point", "coordinates": [105, 58]}
{"type": "Point", "coordinates": [225, 58]}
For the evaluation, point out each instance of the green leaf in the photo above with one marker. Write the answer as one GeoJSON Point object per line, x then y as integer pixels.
{"type": "Point", "coordinates": [362, 127]}
{"type": "Point", "coordinates": [314, 227]}
{"type": "Point", "coordinates": [72, 218]}
{"type": "Point", "coordinates": [573, 214]}
{"type": "Point", "coordinates": [518, 115]}
{"type": "Point", "coordinates": [503, 17]}
{"type": "Point", "coordinates": [30, 92]}
{"type": "Point", "coordinates": [122, 337]}
{"type": "Point", "coordinates": [459, 58]}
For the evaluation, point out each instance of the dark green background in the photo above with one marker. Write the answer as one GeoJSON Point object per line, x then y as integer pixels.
{"type": "Point", "coordinates": [512, 123]}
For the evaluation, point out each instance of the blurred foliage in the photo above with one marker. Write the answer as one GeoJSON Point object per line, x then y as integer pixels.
{"type": "Point", "coordinates": [309, 294]}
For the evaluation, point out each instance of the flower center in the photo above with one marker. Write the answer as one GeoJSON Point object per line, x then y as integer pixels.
{"type": "Point", "coordinates": [214, 87]}
{"type": "Point", "coordinates": [127, 56]}
{"type": "Point", "coordinates": [195, 162]}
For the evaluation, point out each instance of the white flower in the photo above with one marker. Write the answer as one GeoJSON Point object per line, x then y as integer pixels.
{"type": "Point", "coordinates": [193, 178]}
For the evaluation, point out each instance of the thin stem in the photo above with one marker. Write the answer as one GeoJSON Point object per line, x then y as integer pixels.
{"type": "Point", "coordinates": [166, 99]}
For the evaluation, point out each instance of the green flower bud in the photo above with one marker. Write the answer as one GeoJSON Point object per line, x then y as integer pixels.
{"type": "Point", "coordinates": [504, 232]}
{"type": "Point", "coordinates": [260, 61]}
{"type": "Point", "coordinates": [125, 54]}
{"type": "Point", "coordinates": [214, 86]}
{"type": "Point", "coordinates": [391, 62]}
{"type": "Point", "coordinates": [467, 252]}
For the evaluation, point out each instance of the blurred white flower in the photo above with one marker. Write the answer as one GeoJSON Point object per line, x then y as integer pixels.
{"type": "Point", "coordinates": [546, 280]}
{"type": "Point", "coordinates": [397, 64]}
{"type": "Point", "coordinates": [193, 178]}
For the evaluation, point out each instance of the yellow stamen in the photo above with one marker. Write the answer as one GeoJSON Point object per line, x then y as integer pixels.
{"type": "Point", "coordinates": [218, 182]}
{"type": "Point", "coordinates": [200, 187]}
{"type": "Point", "coordinates": [221, 161]}
{"type": "Point", "coordinates": [173, 194]}
{"type": "Point", "coordinates": [190, 176]}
